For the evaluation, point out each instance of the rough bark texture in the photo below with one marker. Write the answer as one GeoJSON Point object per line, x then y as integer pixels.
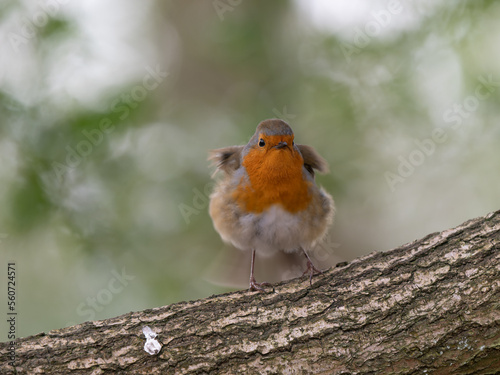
{"type": "Point", "coordinates": [428, 307]}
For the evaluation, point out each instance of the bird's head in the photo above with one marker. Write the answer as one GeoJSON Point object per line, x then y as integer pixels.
{"type": "Point", "coordinates": [271, 152]}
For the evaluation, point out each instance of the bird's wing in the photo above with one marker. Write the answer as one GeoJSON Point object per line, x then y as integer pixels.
{"type": "Point", "coordinates": [312, 160]}
{"type": "Point", "coordinates": [227, 159]}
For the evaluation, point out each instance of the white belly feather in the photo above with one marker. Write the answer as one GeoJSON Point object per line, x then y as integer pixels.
{"type": "Point", "coordinates": [270, 231]}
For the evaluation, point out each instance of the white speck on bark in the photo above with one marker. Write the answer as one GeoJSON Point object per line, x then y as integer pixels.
{"type": "Point", "coordinates": [152, 346]}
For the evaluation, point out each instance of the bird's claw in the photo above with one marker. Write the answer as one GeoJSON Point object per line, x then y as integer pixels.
{"type": "Point", "coordinates": [258, 286]}
{"type": "Point", "coordinates": [312, 270]}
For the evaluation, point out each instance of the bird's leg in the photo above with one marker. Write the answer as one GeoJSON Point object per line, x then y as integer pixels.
{"type": "Point", "coordinates": [253, 284]}
{"type": "Point", "coordinates": [311, 268]}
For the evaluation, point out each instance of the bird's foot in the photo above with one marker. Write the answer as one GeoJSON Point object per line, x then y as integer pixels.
{"type": "Point", "coordinates": [312, 270]}
{"type": "Point", "coordinates": [258, 286]}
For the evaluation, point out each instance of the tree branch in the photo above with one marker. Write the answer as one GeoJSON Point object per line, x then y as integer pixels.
{"type": "Point", "coordinates": [431, 306]}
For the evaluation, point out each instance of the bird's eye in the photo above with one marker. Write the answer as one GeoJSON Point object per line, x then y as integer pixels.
{"type": "Point", "coordinates": [293, 143]}
{"type": "Point", "coordinates": [262, 143]}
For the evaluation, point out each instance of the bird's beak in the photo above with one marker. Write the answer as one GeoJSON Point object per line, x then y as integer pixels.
{"type": "Point", "coordinates": [281, 145]}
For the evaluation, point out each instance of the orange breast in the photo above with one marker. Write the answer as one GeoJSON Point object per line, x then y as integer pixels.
{"type": "Point", "coordinates": [274, 177]}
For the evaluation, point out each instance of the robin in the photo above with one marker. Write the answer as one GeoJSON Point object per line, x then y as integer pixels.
{"type": "Point", "coordinates": [268, 200]}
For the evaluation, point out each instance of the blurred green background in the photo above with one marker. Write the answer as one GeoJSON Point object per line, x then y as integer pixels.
{"type": "Point", "coordinates": [108, 110]}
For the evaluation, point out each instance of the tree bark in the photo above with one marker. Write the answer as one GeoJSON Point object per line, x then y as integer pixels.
{"type": "Point", "coordinates": [428, 307]}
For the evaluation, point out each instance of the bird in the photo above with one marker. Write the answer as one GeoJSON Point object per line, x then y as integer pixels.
{"type": "Point", "coordinates": [267, 199]}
